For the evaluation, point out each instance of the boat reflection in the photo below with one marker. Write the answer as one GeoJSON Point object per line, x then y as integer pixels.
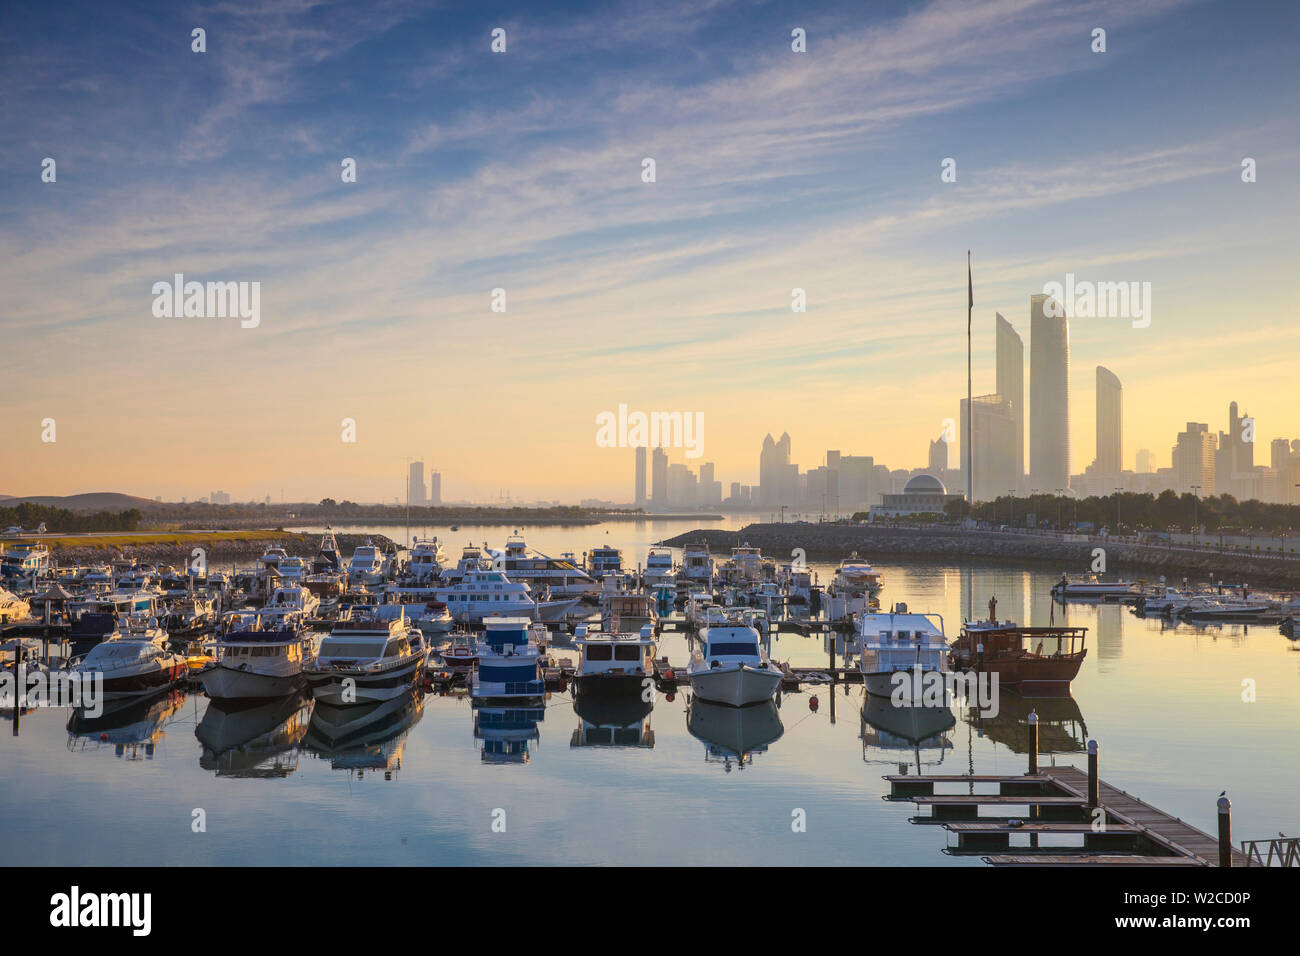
{"type": "Point", "coordinates": [1061, 727]}
{"type": "Point", "coordinates": [254, 739]}
{"type": "Point", "coordinates": [732, 736]}
{"type": "Point", "coordinates": [613, 722]}
{"type": "Point", "coordinates": [132, 727]}
{"type": "Point", "coordinates": [360, 737]}
{"type": "Point", "coordinates": [889, 732]}
{"type": "Point", "coordinates": [506, 731]}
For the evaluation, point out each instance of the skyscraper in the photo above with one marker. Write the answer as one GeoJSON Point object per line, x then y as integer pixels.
{"type": "Point", "coordinates": [659, 477]}
{"type": "Point", "coordinates": [1110, 423]}
{"type": "Point", "coordinates": [415, 484]}
{"type": "Point", "coordinates": [1011, 385]}
{"type": "Point", "coordinates": [435, 488]}
{"type": "Point", "coordinates": [640, 475]}
{"type": "Point", "coordinates": [1146, 462]}
{"type": "Point", "coordinates": [1049, 396]}
{"type": "Point", "coordinates": [995, 434]}
{"type": "Point", "coordinates": [1194, 460]}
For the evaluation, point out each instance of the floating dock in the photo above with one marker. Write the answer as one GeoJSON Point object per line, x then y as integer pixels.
{"type": "Point", "coordinates": [1117, 828]}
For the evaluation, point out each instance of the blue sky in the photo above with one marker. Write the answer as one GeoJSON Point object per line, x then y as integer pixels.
{"type": "Point", "coordinates": [521, 170]}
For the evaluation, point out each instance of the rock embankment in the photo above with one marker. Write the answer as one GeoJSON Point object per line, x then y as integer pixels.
{"type": "Point", "coordinates": [1124, 558]}
{"type": "Point", "coordinates": [220, 551]}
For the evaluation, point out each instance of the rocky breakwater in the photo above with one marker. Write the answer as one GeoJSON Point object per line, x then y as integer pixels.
{"type": "Point", "coordinates": [178, 550]}
{"type": "Point", "coordinates": [1073, 554]}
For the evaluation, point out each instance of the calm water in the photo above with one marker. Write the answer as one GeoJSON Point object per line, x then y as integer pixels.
{"type": "Point", "coordinates": [1165, 704]}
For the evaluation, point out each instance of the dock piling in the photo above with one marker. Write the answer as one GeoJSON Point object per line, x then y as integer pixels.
{"type": "Point", "coordinates": [1225, 830]}
{"type": "Point", "coordinates": [1033, 741]}
{"type": "Point", "coordinates": [1094, 777]}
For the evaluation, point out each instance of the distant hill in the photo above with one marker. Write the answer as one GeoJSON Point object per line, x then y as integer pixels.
{"type": "Point", "coordinates": [93, 501]}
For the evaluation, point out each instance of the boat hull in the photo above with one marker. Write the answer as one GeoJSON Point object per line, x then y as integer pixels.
{"type": "Point", "coordinates": [737, 685]}
{"type": "Point", "coordinates": [229, 683]}
{"type": "Point", "coordinates": [369, 686]}
{"type": "Point", "coordinates": [609, 686]}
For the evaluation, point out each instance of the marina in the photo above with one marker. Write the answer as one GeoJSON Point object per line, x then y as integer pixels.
{"type": "Point", "coordinates": [737, 669]}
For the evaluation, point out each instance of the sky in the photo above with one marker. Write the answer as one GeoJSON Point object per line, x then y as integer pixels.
{"type": "Point", "coordinates": [523, 170]}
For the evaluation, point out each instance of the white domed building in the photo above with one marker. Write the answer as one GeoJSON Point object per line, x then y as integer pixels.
{"type": "Point", "coordinates": [923, 494]}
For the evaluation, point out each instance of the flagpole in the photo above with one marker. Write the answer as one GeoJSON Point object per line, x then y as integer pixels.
{"type": "Point", "coordinates": [970, 427]}
{"type": "Point", "coordinates": [970, 403]}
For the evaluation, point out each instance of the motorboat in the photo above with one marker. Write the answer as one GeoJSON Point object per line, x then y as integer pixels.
{"type": "Point", "coordinates": [509, 663]}
{"type": "Point", "coordinates": [427, 560]}
{"type": "Point", "coordinates": [603, 560]}
{"type": "Point", "coordinates": [364, 659]}
{"type": "Point", "coordinates": [659, 571]}
{"type": "Point", "coordinates": [729, 666]}
{"type": "Point", "coordinates": [289, 604]}
{"type": "Point", "coordinates": [133, 661]}
{"type": "Point", "coordinates": [614, 664]}
{"type": "Point", "coordinates": [12, 607]}
{"type": "Point", "coordinates": [697, 564]}
{"type": "Point", "coordinates": [1092, 586]}
{"type": "Point", "coordinates": [258, 662]}
{"type": "Point", "coordinates": [436, 619]}
{"type": "Point", "coordinates": [901, 642]}
{"type": "Point", "coordinates": [481, 594]}
{"type": "Point", "coordinates": [366, 565]}
{"type": "Point", "coordinates": [562, 576]}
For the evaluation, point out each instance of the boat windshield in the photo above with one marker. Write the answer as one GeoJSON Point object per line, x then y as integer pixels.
{"type": "Point", "coordinates": [336, 647]}
{"type": "Point", "coordinates": [732, 649]}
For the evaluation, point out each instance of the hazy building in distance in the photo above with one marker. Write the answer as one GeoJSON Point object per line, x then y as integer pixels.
{"type": "Point", "coordinates": [435, 488]}
{"type": "Point", "coordinates": [415, 484]}
{"type": "Point", "coordinates": [710, 488]}
{"type": "Point", "coordinates": [1110, 422]}
{"type": "Point", "coordinates": [659, 478]}
{"type": "Point", "coordinates": [1011, 386]}
{"type": "Point", "coordinates": [937, 460]}
{"type": "Point", "coordinates": [995, 438]}
{"type": "Point", "coordinates": [1049, 397]}
{"type": "Point", "coordinates": [640, 498]}
{"type": "Point", "coordinates": [1234, 463]}
{"type": "Point", "coordinates": [778, 479]}
{"type": "Point", "coordinates": [1194, 452]}
{"type": "Point", "coordinates": [1146, 461]}
{"type": "Point", "coordinates": [921, 494]}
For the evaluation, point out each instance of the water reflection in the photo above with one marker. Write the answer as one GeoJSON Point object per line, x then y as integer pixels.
{"type": "Point", "coordinates": [506, 731]}
{"type": "Point", "coordinates": [360, 737]}
{"type": "Point", "coordinates": [131, 727]}
{"type": "Point", "coordinates": [732, 736]}
{"type": "Point", "coordinates": [613, 722]}
{"type": "Point", "coordinates": [1061, 727]}
{"type": "Point", "coordinates": [253, 740]}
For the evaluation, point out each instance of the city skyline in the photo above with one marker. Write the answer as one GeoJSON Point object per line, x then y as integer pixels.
{"type": "Point", "coordinates": [776, 171]}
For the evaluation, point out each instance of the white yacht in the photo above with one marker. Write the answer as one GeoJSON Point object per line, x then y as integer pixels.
{"type": "Point", "coordinates": [509, 662]}
{"type": "Point", "coordinates": [659, 571]}
{"type": "Point", "coordinates": [273, 557]}
{"type": "Point", "coordinates": [366, 565]}
{"type": "Point", "coordinates": [255, 663]}
{"type": "Point", "coordinates": [12, 607]}
{"type": "Point", "coordinates": [436, 620]}
{"type": "Point", "coordinates": [1092, 586]}
{"type": "Point", "coordinates": [481, 594]}
{"type": "Point", "coordinates": [134, 661]}
{"type": "Point", "coordinates": [604, 559]}
{"type": "Point", "coordinates": [427, 560]}
{"type": "Point", "coordinates": [24, 561]}
{"type": "Point", "coordinates": [379, 660]}
{"type": "Point", "coordinates": [901, 641]}
{"type": "Point", "coordinates": [852, 590]}
{"type": "Point", "coordinates": [746, 565]}
{"type": "Point", "coordinates": [289, 604]}
{"type": "Point", "coordinates": [613, 664]}
{"type": "Point", "coordinates": [562, 576]}
{"type": "Point", "coordinates": [729, 666]}
{"type": "Point", "coordinates": [697, 563]}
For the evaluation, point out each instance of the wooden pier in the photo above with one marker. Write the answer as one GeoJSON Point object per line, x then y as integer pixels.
{"type": "Point", "coordinates": [1117, 828]}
